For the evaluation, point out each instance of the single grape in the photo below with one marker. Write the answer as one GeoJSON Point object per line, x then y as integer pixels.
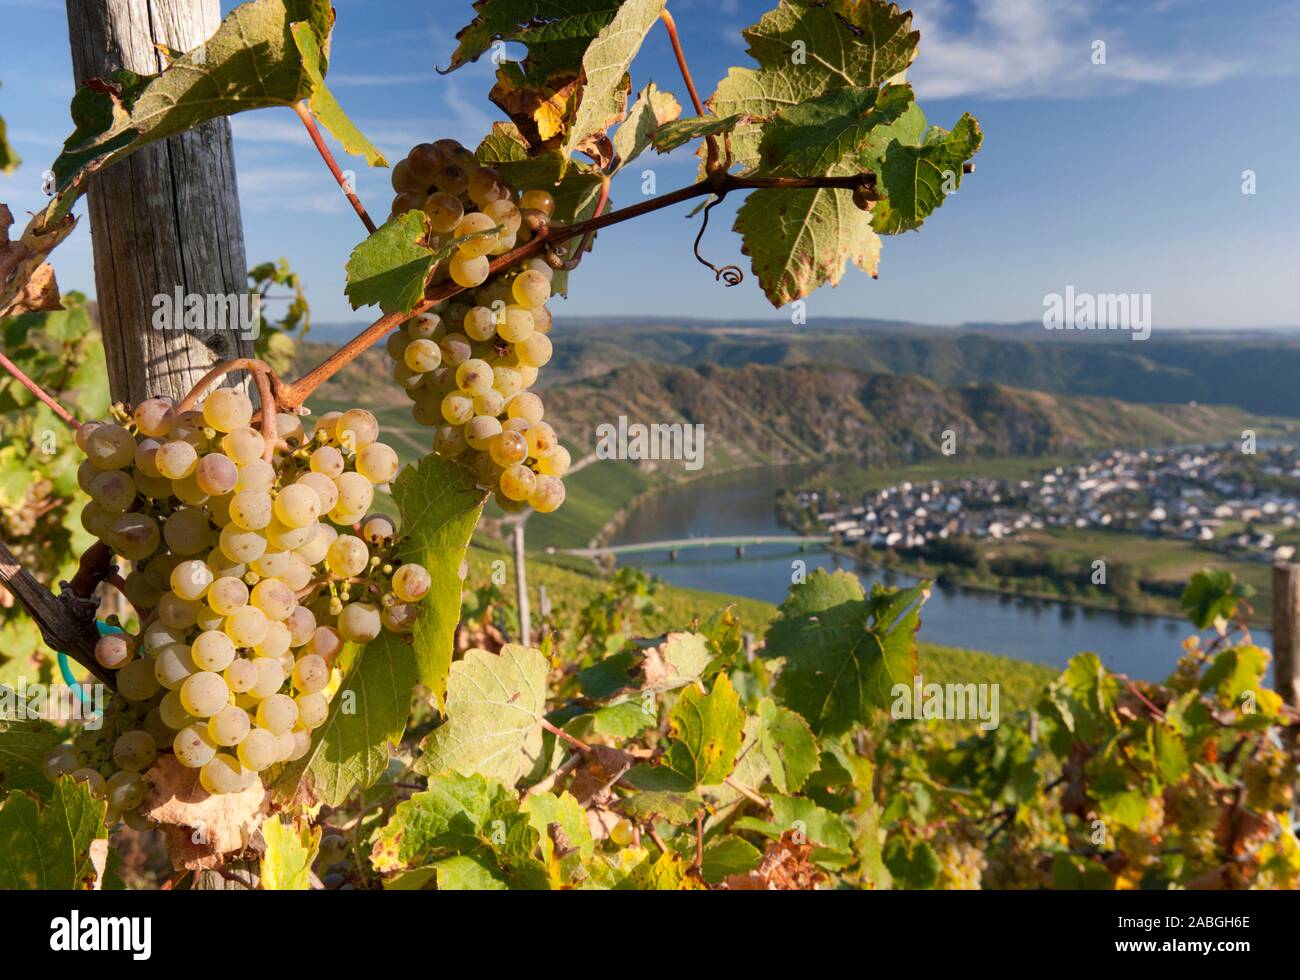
{"type": "Point", "coordinates": [223, 774]}
{"type": "Point", "coordinates": [257, 475]}
{"type": "Point", "coordinates": [507, 380]}
{"type": "Point", "coordinates": [187, 531]}
{"type": "Point", "coordinates": [531, 289]}
{"type": "Point", "coordinates": [134, 751]}
{"type": "Point", "coordinates": [506, 214]}
{"type": "Point", "coordinates": [325, 642]}
{"type": "Point", "coordinates": [518, 482]}
{"type": "Point", "coordinates": [445, 212]}
{"type": "Point", "coordinates": [126, 791]}
{"type": "Point", "coordinates": [356, 493]}
{"type": "Point", "coordinates": [542, 440]}
{"type": "Point", "coordinates": [491, 402]}
{"type": "Point", "coordinates": [270, 677]}
{"type": "Point", "coordinates": [135, 536]}
{"type": "Point", "coordinates": [297, 505]}
{"type": "Point", "coordinates": [480, 324]}
{"type": "Point", "coordinates": [301, 624]}
{"type": "Point", "coordinates": [109, 446]}
{"type": "Point", "coordinates": [173, 713]}
{"type": "Point", "coordinates": [277, 714]}
{"type": "Point", "coordinates": [456, 350]}
{"type": "Point", "coordinates": [527, 406]}
{"type": "Point", "coordinates": [247, 626]}
{"type": "Point", "coordinates": [411, 582]}
{"type": "Point", "coordinates": [508, 448]}
{"type": "Point", "coordinates": [114, 651]}
{"type": "Point", "coordinates": [274, 598]}
{"type": "Point", "coordinates": [535, 351]}
{"type": "Point", "coordinates": [190, 579]}
{"type": "Point", "coordinates": [241, 675]}
{"type": "Point", "coordinates": [378, 529]}
{"type": "Point", "coordinates": [458, 408]}
{"type": "Point", "coordinates": [227, 409]}
{"type": "Point", "coordinates": [176, 460]}
{"type": "Point", "coordinates": [241, 546]}
{"type": "Point", "coordinates": [59, 761]}
{"type": "Point", "coordinates": [547, 496]}
{"type": "Point", "coordinates": [313, 710]}
{"type": "Point", "coordinates": [378, 463]}
{"type": "Point", "coordinates": [326, 489]}
{"type": "Point", "coordinates": [422, 356]}
{"type": "Point", "coordinates": [204, 694]}
{"type": "Point", "coordinates": [425, 326]}
{"type": "Point", "coordinates": [216, 474]}
{"type": "Point", "coordinates": [359, 622]}
{"type": "Point", "coordinates": [554, 463]}
{"type": "Point", "coordinates": [538, 200]}
{"type": "Point", "coordinates": [347, 556]}
{"type": "Point", "coordinates": [399, 618]}
{"type": "Point", "coordinates": [481, 430]}
{"type": "Point", "coordinates": [357, 428]}
{"type": "Point", "coordinates": [469, 271]}
{"type": "Point", "coordinates": [177, 612]}
{"type": "Point", "coordinates": [213, 650]}
{"type": "Point", "coordinates": [622, 833]}
{"type": "Point", "coordinates": [449, 441]}
{"type": "Point", "coordinates": [229, 726]}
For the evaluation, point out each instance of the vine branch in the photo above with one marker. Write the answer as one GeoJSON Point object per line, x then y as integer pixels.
{"type": "Point", "coordinates": [670, 25]}
{"type": "Point", "coordinates": [314, 131]}
{"type": "Point", "coordinates": [291, 396]}
{"type": "Point", "coordinates": [21, 377]}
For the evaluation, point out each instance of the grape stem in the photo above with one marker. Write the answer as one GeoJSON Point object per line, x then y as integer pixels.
{"type": "Point", "coordinates": [711, 142]}
{"type": "Point", "coordinates": [269, 389]}
{"type": "Point", "coordinates": [314, 131]}
{"type": "Point", "coordinates": [21, 377]}
{"type": "Point", "coordinates": [291, 396]}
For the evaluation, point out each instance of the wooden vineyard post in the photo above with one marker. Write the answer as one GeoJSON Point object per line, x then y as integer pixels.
{"type": "Point", "coordinates": [521, 585]}
{"type": "Point", "coordinates": [1286, 631]}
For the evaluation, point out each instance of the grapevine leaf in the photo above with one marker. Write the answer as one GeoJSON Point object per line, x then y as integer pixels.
{"type": "Point", "coordinates": [290, 853]}
{"type": "Point", "coordinates": [706, 732]}
{"type": "Point", "coordinates": [914, 867]}
{"type": "Point", "coordinates": [252, 62]}
{"type": "Point", "coordinates": [545, 26]}
{"type": "Point", "coordinates": [652, 110]}
{"type": "Point", "coordinates": [322, 103]}
{"type": "Point", "coordinates": [391, 267]}
{"type": "Point", "coordinates": [603, 99]}
{"type": "Point", "coordinates": [789, 746]}
{"type": "Point", "coordinates": [466, 874]}
{"type": "Point", "coordinates": [824, 135]}
{"type": "Point", "coordinates": [806, 48]}
{"type": "Point", "coordinates": [844, 655]}
{"type": "Point", "coordinates": [473, 816]}
{"type": "Point", "coordinates": [1236, 672]}
{"type": "Point", "coordinates": [670, 136]}
{"type": "Point", "coordinates": [453, 814]}
{"type": "Point", "coordinates": [675, 808]}
{"type": "Point", "coordinates": [1212, 594]}
{"type": "Point", "coordinates": [729, 856]}
{"type": "Point", "coordinates": [668, 871]}
{"type": "Point", "coordinates": [558, 820]}
{"type": "Point", "coordinates": [48, 848]}
{"type": "Point", "coordinates": [495, 704]}
{"type": "Point", "coordinates": [23, 747]}
{"type": "Point", "coordinates": [367, 715]}
{"type": "Point", "coordinates": [440, 507]}
{"type": "Point", "coordinates": [798, 240]}
{"type": "Point", "coordinates": [915, 180]}
{"type": "Point", "coordinates": [27, 284]}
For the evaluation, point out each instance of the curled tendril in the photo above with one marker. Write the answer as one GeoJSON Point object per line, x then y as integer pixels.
{"type": "Point", "coordinates": [729, 275]}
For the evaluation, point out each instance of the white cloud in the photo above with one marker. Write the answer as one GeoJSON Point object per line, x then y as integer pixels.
{"type": "Point", "coordinates": [1034, 48]}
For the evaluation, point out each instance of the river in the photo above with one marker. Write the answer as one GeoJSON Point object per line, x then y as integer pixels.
{"type": "Point", "coordinates": [744, 503]}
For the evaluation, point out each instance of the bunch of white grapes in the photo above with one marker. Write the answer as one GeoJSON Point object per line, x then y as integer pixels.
{"type": "Point", "coordinates": [251, 567]}
{"type": "Point", "coordinates": [469, 363]}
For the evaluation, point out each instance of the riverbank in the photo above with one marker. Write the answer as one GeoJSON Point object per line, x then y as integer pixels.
{"type": "Point", "coordinates": [675, 607]}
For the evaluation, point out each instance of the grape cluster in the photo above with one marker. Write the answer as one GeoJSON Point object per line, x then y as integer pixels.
{"type": "Point", "coordinates": [1269, 778]}
{"type": "Point", "coordinates": [246, 588]}
{"type": "Point", "coordinates": [468, 364]}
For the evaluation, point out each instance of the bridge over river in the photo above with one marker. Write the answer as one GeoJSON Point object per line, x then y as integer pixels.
{"type": "Point", "coordinates": [740, 543]}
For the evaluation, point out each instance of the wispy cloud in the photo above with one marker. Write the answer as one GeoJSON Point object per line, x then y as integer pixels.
{"type": "Point", "coordinates": [1036, 48]}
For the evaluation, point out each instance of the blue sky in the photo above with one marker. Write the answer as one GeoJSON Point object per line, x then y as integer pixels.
{"type": "Point", "coordinates": [1122, 177]}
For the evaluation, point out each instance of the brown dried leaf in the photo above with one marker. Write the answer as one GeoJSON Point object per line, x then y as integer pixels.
{"type": "Point", "coordinates": [202, 830]}
{"type": "Point", "coordinates": [785, 867]}
{"type": "Point", "coordinates": [598, 772]}
{"type": "Point", "coordinates": [27, 283]}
